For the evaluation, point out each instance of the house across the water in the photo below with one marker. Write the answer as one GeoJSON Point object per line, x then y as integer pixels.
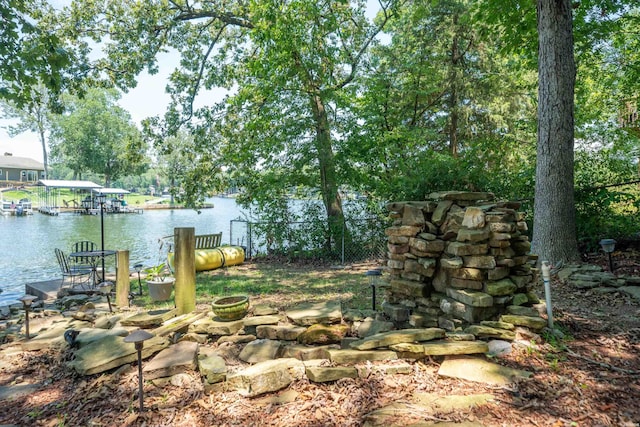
{"type": "Point", "coordinates": [16, 170]}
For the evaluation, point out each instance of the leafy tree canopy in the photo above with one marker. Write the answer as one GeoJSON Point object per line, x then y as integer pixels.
{"type": "Point", "coordinates": [97, 135]}
{"type": "Point", "coordinates": [30, 52]}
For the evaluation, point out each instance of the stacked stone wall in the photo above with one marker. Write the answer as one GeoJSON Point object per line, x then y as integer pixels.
{"type": "Point", "coordinates": [455, 259]}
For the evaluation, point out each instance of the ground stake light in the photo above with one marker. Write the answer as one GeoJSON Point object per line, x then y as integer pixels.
{"type": "Point", "coordinates": [138, 337]}
{"type": "Point", "coordinates": [27, 300]}
{"type": "Point", "coordinates": [105, 289]}
{"type": "Point", "coordinates": [608, 246]}
{"type": "Point", "coordinates": [138, 268]}
{"type": "Point", "coordinates": [101, 199]}
{"type": "Point", "coordinates": [373, 276]}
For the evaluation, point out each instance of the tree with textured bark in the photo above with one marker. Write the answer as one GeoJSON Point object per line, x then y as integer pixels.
{"type": "Point", "coordinates": [554, 230]}
{"type": "Point", "coordinates": [563, 26]}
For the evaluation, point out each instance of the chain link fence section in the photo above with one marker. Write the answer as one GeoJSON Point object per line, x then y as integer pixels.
{"type": "Point", "coordinates": [361, 239]}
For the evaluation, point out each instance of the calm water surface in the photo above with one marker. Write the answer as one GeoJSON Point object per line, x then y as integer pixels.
{"type": "Point", "coordinates": [27, 243]}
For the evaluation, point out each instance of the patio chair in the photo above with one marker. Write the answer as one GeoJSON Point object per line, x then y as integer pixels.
{"type": "Point", "coordinates": [83, 246]}
{"type": "Point", "coordinates": [74, 276]}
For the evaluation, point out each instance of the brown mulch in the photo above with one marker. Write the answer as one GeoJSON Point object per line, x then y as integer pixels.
{"type": "Point", "coordinates": [591, 378]}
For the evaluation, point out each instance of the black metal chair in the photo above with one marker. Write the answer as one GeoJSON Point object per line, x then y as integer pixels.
{"type": "Point", "coordinates": [83, 246]}
{"type": "Point", "coordinates": [74, 276]}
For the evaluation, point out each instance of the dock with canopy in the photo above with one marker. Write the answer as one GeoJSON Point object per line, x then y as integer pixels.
{"type": "Point", "coordinates": [50, 200]}
{"type": "Point", "coordinates": [81, 199]}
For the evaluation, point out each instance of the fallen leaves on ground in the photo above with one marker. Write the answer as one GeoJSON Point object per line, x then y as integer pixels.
{"type": "Point", "coordinates": [586, 380]}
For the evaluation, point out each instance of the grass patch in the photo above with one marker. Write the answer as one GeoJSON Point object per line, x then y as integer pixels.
{"type": "Point", "coordinates": [68, 195]}
{"type": "Point", "coordinates": [279, 285]}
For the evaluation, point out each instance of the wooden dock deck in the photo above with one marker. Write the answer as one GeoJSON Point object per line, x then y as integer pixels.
{"type": "Point", "coordinates": [48, 289]}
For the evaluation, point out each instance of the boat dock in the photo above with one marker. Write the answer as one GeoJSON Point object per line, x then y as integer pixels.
{"type": "Point", "coordinates": [45, 290]}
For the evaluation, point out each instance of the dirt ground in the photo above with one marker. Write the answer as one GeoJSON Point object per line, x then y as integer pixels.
{"type": "Point", "coordinates": [589, 378]}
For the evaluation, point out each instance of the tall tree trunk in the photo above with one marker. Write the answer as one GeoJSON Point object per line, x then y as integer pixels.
{"type": "Point", "coordinates": [453, 95]}
{"type": "Point", "coordinates": [44, 151]}
{"type": "Point", "coordinates": [326, 159]}
{"type": "Point", "coordinates": [554, 219]}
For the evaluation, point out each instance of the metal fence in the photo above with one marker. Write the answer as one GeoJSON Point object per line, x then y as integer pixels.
{"type": "Point", "coordinates": [357, 240]}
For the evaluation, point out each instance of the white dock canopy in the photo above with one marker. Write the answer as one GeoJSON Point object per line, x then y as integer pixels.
{"type": "Point", "coordinates": [50, 193]}
{"type": "Point", "coordinates": [72, 184]}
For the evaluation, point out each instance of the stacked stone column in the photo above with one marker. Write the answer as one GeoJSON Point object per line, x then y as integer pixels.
{"type": "Point", "coordinates": [456, 259]}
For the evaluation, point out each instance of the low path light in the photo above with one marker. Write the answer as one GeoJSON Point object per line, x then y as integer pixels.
{"type": "Point", "coordinates": [105, 289]}
{"type": "Point", "coordinates": [101, 198]}
{"type": "Point", "coordinates": [27, 300]}
{"type": "Point", "coordinates": [608, 246]}
{"type": "Point", "coordinates": [138, 337]}
{"type": "Point", "coordinates": [374, 276]}
{"type": "Point", "coordinates": [138, 268]}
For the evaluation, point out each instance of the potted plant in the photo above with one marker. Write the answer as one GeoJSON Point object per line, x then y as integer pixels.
{"type": "Point", "coordinates": [159, 282]}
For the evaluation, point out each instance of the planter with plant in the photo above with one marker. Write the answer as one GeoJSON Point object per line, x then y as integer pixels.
{"type": "Point", "coordinates": [159, 282]}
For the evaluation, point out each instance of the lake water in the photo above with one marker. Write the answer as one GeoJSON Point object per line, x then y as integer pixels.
{"type": "Point", "coordinates": [27, 243]}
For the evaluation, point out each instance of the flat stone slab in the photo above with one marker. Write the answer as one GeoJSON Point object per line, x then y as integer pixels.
{"type": "Point", "coordinates": [445, 348]}
{"type": "Point", "coordinates": [212, 327]}
{"type": "Point", "coordinates": [414, 413]}
{"type": "Point", "coordinates": [450, 403]}
{"type": "Point", "coordinates": [261, 320]}
{"type": "Point", "coordinates": [264, 310]}
{"type": "Point", "coordinates": [481, 331]}
{"type": "Point", "coordinates": [320, 334]}
{"type": "Point", "coordinates": [176, 359]}
{"type": "Point", "coordinates": [112, 352]}
{"type": "Point", "coordinates": [213, 368]}
{"type": "Point", "coordinates": [372, 327]}
{"type": "Point", "coordinates": [321, 374]}
{"type": "Point", "coordinates": [283, 332]}
{"type": "Point", "coordinates": [265, 377]}
{"type": "Point", "coordinates": [17, 391]}
{"type": "Point", "coordinates": [634, 291]}
{"type": "Point", "coordinates": [386, 339]}
{"type": "Point", "coordinates": [355, 356]}
{"type": "Point", "coordinates": [307, 352]}
{"type": "Point", "coordinates": [89, 335]}
{"type": "Point", "coordinates": [53, 337]}
{"type": "Point", "coordinates": [311, 313]}
{"type": "Point", "coordinates": [535, 323]}
{"type": "Point", "coordinates": [260, 351]}
{"type": "Point", "coordinates": [479, 370]}
{"type": "Point", "coordinates": [149, 319]}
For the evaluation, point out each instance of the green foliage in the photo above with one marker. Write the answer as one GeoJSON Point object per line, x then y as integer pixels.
{"type": "Point", "coordinates": [97, 135]}
{"type": "Point", "coordinates": [30, 54]}
{"type": "Point", "coordinates": [157, 272]}
{"type": "Point", "coordinates": [604, 209]}
{"type": "Point", "coordinates": [445, 99]}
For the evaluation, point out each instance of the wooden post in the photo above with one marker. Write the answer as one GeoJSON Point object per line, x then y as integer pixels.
{"type": "Point", "coordinates": [122, 278]}
{"type": "Point", "coordinates": [185, 269]}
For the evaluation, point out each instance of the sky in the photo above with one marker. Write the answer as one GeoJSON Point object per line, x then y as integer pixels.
{"type": "Point", "coordinates": [147, 99]}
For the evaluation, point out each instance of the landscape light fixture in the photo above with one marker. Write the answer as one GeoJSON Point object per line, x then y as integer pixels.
{"type": "Point", "coordinates": [138, 337]}
{"type": "Point", "coordinates": [608, 246]}
{"type": "Point", "coordinates": [27, 300]}
{"type": "Point", "coordinates": [101, 198]}
{"type": "Point", "coordinates": [138, 268]}
{"type": "Point", "coordinates": [105, 289]}
{"type": "Point", "coordinates": [374, 276]}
